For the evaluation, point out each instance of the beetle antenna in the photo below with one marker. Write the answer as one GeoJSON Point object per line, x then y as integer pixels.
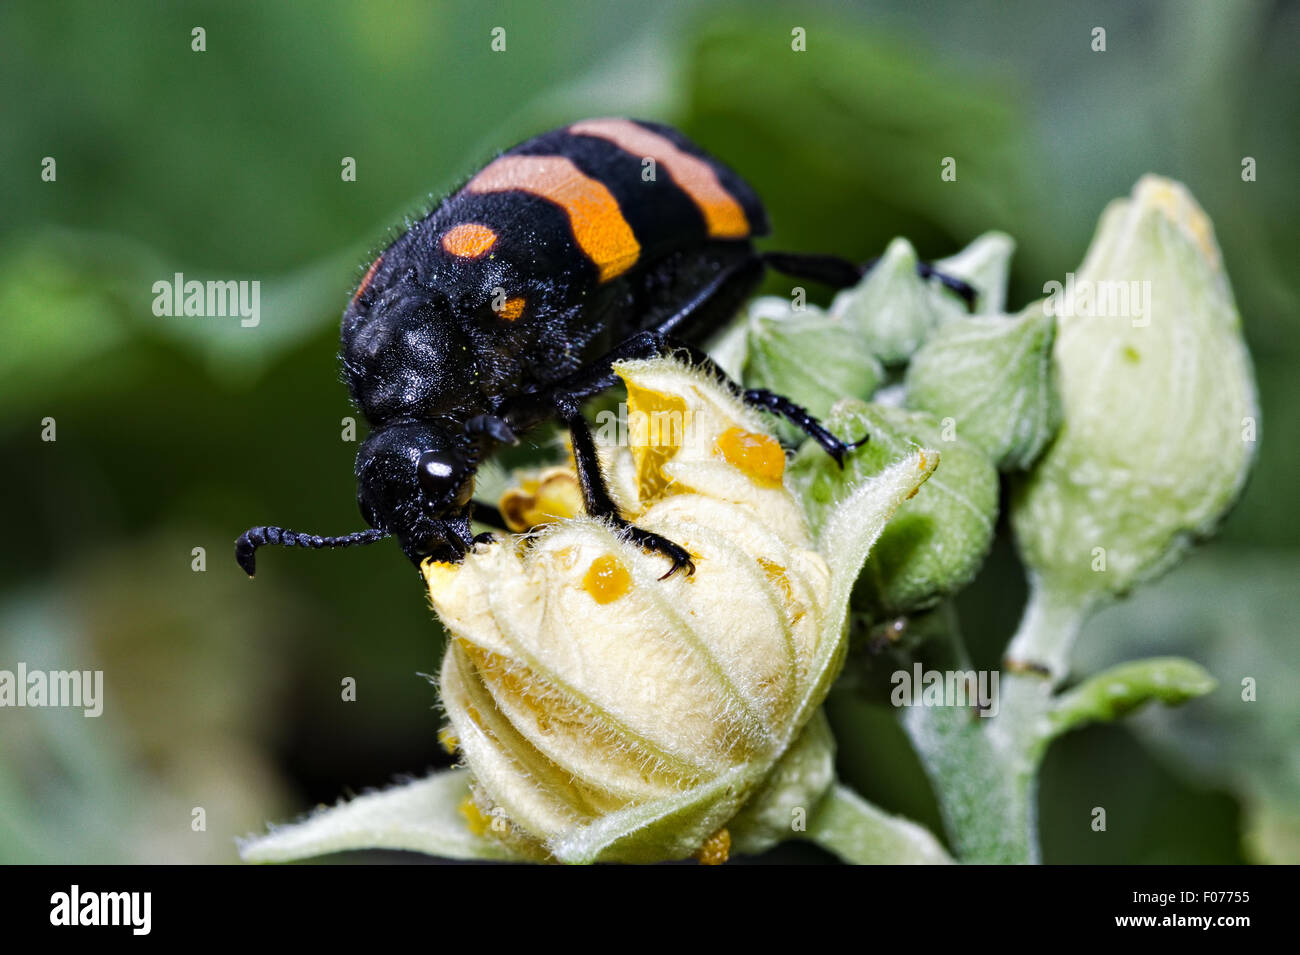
{"type": "Point", "coordinates": [255, 537]}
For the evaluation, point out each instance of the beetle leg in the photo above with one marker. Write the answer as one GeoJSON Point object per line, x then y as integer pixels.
{"type": "Point", "coordinates": [595, 493]}
{"type": "Point", "coordinates": [492, 427]}
{"type": "Point", "coordinates": [650, 344]}
{"type": "Point", "coordinates": [841, 273]}
{"type": "Point", "coordinates": [599, 376]}
{"type": "Point", "coordinates": [766, 400]}
{"type": "Point", "coordinates": [708, 308]}
{"type": "Point", "coordinates": [486, 514]}
{"type": "Point", "coordinates": [714, 305]}
{"type": "Point", "coordinates": [798, 416]}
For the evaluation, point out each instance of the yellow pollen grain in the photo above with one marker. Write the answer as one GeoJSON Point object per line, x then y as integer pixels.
{"type": "Point", "coordinates": [758, 455]}
{"type": "Point", "coordinates": [606, 579]}
{"type": "Point", "coordinates": [448, 739]}
{"type": "Point", "coordinates": [475, 820]}
{"type": "Point", "coordinates": [716, 849]}
{"type": "Point", "coordinates": [438, 574]}
{"type": "Point", "coordinates": [776, 573]}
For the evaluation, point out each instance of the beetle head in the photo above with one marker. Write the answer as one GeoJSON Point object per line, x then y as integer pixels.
{"type": "Point", "coordinates": [415, 480]}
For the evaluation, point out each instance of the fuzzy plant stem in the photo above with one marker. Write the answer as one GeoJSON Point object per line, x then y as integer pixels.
{"type": "Point", "coordinates": [983, 768]}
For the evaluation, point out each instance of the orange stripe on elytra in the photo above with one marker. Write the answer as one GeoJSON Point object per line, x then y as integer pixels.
{"type": "Point", "coordinates": [723, 215]}
{"type": "Point", "coordinates": [468, 240]}
{"type": "Point", "coordinates": [598, 225]}
{"type": "Point", "coordinates": [365, 279]}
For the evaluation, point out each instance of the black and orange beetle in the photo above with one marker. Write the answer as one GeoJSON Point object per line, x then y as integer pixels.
{"type": "Point", "coordinates": [506, 305]}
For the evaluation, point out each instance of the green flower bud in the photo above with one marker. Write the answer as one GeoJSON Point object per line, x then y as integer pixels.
{"type": "Point", "coordinates": [992, 377]}
{"type": "Point", "coordinates": [984, 264]}
{"type": "Point", "coordinates": [938, 539]}
{"type": "Point", "coordinates": [1159, 410]}
{"type": "Point", "coordinates": [893, 308]}
{"type": "Point", "coordinates": [808, 356]}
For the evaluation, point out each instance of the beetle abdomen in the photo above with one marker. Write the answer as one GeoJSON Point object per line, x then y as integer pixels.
{"type": "Point", "coordinates": [631, 191]}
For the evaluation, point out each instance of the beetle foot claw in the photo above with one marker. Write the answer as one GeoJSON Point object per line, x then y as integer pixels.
{"type": "Point", "coordinates": [651, 541]}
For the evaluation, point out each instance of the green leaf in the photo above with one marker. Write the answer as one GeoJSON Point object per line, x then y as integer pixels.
{"type": "Point", "coordinates": [846, 142]}
{"type": "Point", "coordinates": [63, 310]}
{"type": "Point", "coordinates": [101, 287]}
{"type": "Point", "coordinates": [1116, 692]}
{"type": "Point", "coordinates": [858, 832]}
{"type": "Point", "coordinates": [423, 816]}
{"type": "Point", "coordinates": [937, 540]}
{"type": "Point", "coordinates": [992, 375]}
{"type": "Point", "coordinates": [807, 356]}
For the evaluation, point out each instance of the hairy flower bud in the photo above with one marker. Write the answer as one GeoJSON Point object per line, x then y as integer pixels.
{"type": "Point", "coordinates": [991, 375]}
{"type": "Point", "coordinates": [808, 356]}
{"type": "Point", "coordinates": [1159, 408]}
{"type": "Point", "coordinates": [937, 540]}
{"type": "Point", "coordinates": [893, 308]}
{"type": "Point", "coordinates": [608, 714]}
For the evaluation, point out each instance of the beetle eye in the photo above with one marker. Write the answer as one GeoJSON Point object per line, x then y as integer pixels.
{"type": "Point", "coordinates": [441, 475]}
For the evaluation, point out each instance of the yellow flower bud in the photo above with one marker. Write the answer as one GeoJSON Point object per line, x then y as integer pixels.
{"type": "Point", "coordinates": [607, 714]}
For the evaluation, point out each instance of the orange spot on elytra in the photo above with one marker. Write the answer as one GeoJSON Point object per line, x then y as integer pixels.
{"type": "Point", "coordinates": [468, 240]}
{"type": "Point", "coordinates": [606, 580]}
{"type": "Point", "coordinates": [512, 309]}
{"type": "Point", "coordinates": [758, 455]}
{"type": "Point", "coordinates": [597, 222]}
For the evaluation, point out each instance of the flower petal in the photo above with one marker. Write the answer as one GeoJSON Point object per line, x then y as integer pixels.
{"type": "Point", "coordinates": [672, 828]}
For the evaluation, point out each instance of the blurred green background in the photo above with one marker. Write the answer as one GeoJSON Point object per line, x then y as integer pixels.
{"type": "Point", "coordinates": [176, 433]}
